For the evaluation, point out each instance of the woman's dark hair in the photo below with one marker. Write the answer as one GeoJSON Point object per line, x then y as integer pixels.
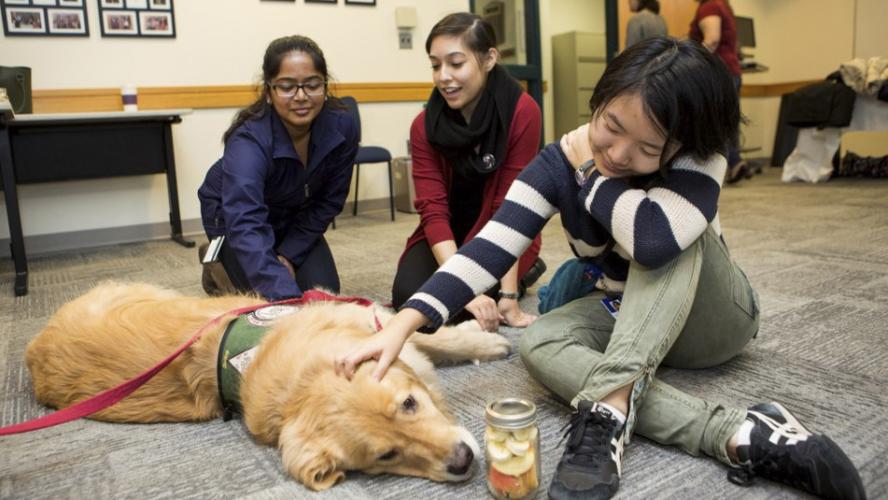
{"type": "Point", "coordinates": [271, 65]}
{"type": "Point", "coordinates": [651, 5]}
{"type": "Point", "coordinates": [476, 33]}
{"type": "Point", "coordinates": [686, 91]}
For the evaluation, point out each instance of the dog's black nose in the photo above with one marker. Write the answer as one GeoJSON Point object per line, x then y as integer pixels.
{"type": "Point", "coordinates": [460, 459]}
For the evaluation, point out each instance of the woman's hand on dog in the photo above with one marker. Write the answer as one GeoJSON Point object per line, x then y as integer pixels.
{"type": "Point", "coordinates": [513, 315]}
{"type": "Point", "coordinates": [485, 310]}
{"type": "Point", "coordinates": [384, 346]}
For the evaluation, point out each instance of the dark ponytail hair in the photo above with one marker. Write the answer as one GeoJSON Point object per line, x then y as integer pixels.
{"type": "Point", "coordinates": [271, 65]}
{"type": "Point", "coordinates": [651, 5]}
{"type": "Point", "coordinates": [476, 33]}
{"type": "Point", "coordinates": [686, 91]}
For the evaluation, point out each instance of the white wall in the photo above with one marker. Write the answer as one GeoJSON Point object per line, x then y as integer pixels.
{"type": "Point", "coordinates": [360, 44]}
{"type": "Point", "coordinates": [805, 40]}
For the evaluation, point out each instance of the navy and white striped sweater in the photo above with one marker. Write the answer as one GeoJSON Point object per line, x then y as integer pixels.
{"type": "Point", "coordinates": [651, 226]}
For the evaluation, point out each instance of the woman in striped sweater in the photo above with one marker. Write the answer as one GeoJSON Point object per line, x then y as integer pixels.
{"type": "Point", "coordinates": [637, 190]}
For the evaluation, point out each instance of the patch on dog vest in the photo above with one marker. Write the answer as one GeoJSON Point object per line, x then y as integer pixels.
{"type": "Point", "coordinates": [238, 347]}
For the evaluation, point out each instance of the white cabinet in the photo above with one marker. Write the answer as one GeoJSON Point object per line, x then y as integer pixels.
{"type": "Point", "coordinates": [579, 59]}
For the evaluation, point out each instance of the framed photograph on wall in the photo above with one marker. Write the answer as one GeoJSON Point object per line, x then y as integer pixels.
{"type": "Point", "coordinates": [368, 3]}
{"type": "Point", "coordinates": [156, 23]}
{"type": "Point", "coordinates": [119, 23]}
{"type": "Point", "coordinates": [320, 1]}
{"type": "Point", "coordinates": [66, 21]}
{"type": "Point", "coordinates": [44, 17]}
{"type": "Point", "coordinates": [142, 18]}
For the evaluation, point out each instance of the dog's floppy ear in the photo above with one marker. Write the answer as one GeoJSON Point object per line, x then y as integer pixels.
{"type": "Point", "coordinates": [307, 458]}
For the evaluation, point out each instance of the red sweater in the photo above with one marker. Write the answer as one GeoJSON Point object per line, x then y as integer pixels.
{"type": "Point", "coordinates": [432, 178]}
{"type": "Point", "coordinates": [727, 45]}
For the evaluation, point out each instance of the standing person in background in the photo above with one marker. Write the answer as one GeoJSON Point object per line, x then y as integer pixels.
{"type": "Point", "coordinates": [476, 134]}
{"type": "Point", "coordinates": [646, 23]}
{"type": "Point", "coordinates": [714, 27]}
{"type": "Point", "coordinates": [284, 175]}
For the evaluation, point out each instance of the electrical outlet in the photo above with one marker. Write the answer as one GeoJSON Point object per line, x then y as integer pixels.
{"type": "Point", "coordinates": [405, 39]}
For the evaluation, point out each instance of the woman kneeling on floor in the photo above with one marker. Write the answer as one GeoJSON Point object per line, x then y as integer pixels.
{"type": "Point", "coordinates": [284, 175]}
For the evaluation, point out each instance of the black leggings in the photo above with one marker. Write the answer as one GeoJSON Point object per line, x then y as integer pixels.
{"type": "Point", "coordinates": [416, 267]}
{"type": "Point", "coordinates": [317, 270]}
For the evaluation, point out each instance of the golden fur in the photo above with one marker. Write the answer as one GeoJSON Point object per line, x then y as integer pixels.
{"type": "Point", "coordinates": [292, 399]}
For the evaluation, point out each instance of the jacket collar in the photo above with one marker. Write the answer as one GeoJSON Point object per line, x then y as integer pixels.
{"type": "Point", "coordinates": [325, 137]}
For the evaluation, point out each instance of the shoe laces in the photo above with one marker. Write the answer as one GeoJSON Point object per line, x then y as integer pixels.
{"type": "Point", "coordinates": [779, 463]}
{"type": "Point", "coordinates": [588, 434]}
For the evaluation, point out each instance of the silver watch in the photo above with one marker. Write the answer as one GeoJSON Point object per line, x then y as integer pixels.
{"type": "Point", "coordinates": [580, 173]}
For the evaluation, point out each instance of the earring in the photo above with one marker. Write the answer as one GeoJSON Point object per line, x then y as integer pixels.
{"type": "Point", "coordinates": [326, 97]}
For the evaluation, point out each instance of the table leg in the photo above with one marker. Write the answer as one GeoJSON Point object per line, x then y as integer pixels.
{"type": "Point", "coordinates": [172, 189]}
{"type": "Point", "coordinates": [16, 237]}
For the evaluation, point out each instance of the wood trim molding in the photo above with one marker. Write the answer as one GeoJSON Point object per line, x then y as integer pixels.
{"type": "Point", "coordinates": [772, 89]}
{"type": "Point", "coordinates": [209, 97]}
{"type": "Point", "coordinates": [237, 96]}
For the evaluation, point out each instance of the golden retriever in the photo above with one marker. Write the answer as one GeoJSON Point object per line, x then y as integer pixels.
{"type": "Point", "coordinates": [323, 424]}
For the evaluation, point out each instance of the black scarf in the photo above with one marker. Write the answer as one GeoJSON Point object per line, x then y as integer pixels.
{"type": "Point", "coordinates": [449, 134]}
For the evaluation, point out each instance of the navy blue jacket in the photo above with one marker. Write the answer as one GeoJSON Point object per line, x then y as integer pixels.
{"type": "Point", "coordinates": [266, 202]}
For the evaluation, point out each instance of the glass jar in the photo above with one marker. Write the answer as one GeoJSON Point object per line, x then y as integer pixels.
{"type": "Point", "coordinates": [512, 443]}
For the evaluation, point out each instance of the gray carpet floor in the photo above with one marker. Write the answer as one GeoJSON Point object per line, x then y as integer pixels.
{"type": "Point", "coordinates": [817, 254]}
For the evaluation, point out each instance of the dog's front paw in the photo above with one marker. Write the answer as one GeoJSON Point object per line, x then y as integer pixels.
{"type": "Point", "coordinates": [471, 325]}
{"type": "Point", "coordinates": [490, 346]}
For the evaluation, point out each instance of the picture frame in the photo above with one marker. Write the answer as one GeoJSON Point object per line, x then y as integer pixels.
{"type": "Point", "coordinates": [24, 21]}
{"type": "Point", "coordinates": [66, 21]}
{"type": "Point", "coordinates": [137, 18]}
{"type": "Point", "coordinates": [366, 3]}
{"type": "Point", "coordinates": [156, 23]}
{"type": "Point", "coordinates": [119, 23]}
{"type": "Point", "coordinates": [321, 1]}
{"type": "Point", "coordinates": [44, 18]}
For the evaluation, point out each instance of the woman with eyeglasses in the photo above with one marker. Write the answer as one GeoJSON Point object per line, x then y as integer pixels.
{"type": "Point", "coordinates": [283, 177]}
{"type": "Point", "coordinates": [477, 132]}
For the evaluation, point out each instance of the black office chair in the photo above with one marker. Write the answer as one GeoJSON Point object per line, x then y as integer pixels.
{"type": "Point", "coordinates": [368, 154]}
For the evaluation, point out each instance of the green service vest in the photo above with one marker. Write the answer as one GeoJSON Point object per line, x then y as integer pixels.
{"type": "Point", "coordinates": [237, 349]}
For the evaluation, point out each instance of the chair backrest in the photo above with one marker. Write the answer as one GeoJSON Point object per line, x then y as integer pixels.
{"type": "Point", "coordinates": [352, 105]}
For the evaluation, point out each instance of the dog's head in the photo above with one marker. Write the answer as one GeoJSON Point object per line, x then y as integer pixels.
{"type": "Point", "coordinates": [397, 425]}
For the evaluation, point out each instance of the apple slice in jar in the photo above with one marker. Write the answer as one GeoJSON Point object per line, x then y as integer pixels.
{"type": "Point", "coordinates": [515, 466]}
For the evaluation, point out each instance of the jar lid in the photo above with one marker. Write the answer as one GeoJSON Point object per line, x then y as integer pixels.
{"type": "Point", "coordinates": [511, 413]}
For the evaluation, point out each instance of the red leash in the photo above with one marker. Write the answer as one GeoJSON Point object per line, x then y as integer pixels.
{"type": "Point", "coordinates": [109, 397]}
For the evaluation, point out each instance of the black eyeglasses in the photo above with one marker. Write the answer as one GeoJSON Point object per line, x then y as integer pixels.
{"type": "Point", "coordinates": [288, 89]}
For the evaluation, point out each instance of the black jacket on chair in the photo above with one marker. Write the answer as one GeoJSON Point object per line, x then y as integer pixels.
{"type": "Point", "coordinates": [829, 103]}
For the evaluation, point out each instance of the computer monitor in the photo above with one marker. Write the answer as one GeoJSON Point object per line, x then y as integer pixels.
{"type": "Point", "coordinates": [745, 31]}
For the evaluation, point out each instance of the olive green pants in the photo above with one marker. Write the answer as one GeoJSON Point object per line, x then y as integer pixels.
{"type": "Point", "coordinates": [696, 311]}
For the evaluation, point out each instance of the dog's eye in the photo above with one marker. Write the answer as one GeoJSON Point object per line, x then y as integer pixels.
{"type": "Point", "coordinates": [389, 455]}
{"type": "Point", "coordinates": [409, 404]}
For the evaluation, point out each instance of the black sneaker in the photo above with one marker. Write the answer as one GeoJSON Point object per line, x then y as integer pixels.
{"type": "Point", "coordinates": [781, 449]}
{"type": "Point", "coordinates": [590, 466]}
